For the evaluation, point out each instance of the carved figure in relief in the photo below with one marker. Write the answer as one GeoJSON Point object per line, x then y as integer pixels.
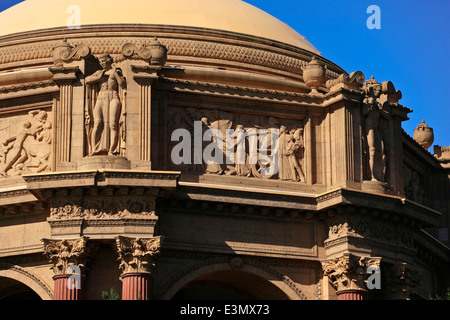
{"type": "Point", "coordinates": [295, 150]}
{"type": "Point", "coordinates": [212, 166]}
{"type": "Point", "coordinates": [373, 111]}
{"type": "Point", "coordinates": [30, 149]}
{"type": "Point", "coordinates": [241, 167]}
{"type": "Point", "coordinates": [103, 128]}
{"type": "Point", "coordinates": [285, 172]}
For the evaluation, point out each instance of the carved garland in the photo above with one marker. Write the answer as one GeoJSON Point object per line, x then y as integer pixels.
{"type": "Point", "coordinates": [102, 208]}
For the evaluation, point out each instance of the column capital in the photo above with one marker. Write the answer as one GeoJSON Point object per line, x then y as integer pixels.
{"type": "Point", "coordinates": [138, 255]}
{"type": "Point", "coordinates": [65, 253]}
{"type": "Point", "coordinates": [349, 272]}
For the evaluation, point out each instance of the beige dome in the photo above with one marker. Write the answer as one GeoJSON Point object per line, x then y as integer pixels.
{"type": "Point", "coordinates": [228, 15]}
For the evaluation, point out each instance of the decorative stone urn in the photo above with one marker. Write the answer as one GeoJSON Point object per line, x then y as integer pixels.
{"type": "Point", "coordinates": [158, 52]}
{"type": "Point", "coordinates": [424, 135]}
{"type": "Point", "coordinates": [314, 74]}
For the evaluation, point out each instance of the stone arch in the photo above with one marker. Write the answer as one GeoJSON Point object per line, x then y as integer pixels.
{"type": "Point", "coordinates": [27, 278]}
{"type": "Point", "coordinates": [251, 266]}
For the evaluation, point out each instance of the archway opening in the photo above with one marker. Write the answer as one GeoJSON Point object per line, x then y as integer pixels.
{"type": "Point", "coordinates": [230, 285]}
{"type": "Point", "coordinates": [11, 289]}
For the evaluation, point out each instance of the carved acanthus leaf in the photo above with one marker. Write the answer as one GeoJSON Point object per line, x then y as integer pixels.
{"type": "Point", "coordinates": [137, 255]}
{"type": "Point", "coordinates": [63, 253]}
{"type": "Point", "coordinates": [348, 272]}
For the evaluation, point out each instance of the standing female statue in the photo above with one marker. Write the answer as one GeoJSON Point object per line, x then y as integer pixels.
{"type": "Point", "coordinates": [103, 133]}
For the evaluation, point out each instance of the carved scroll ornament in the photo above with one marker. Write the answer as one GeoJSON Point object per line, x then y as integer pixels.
{"type": "Point", "coordinates": [155, 53]}
{"type": "Point", "coordinates": [65, 53]}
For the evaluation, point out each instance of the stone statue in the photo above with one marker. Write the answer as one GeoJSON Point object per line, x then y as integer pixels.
{"type": "Point", "coordinates": [103, 128]}
{"type": "Point", "coordinates": [372, 111]}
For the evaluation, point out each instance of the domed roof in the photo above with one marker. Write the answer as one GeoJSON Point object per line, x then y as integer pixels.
{"type": "Point", "coordinates": [227, 15]}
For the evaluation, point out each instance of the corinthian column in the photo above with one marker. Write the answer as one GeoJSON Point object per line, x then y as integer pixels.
{"type": "Point", "coordinates": [137, 262]}
{"type": "Point", "coordinates": [68, 258]}
{"type": "Point", "coordinates": [348, 275]}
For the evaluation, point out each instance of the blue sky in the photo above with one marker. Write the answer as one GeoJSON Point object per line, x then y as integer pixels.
{"type": "Point", "coordinates": [411, 49]}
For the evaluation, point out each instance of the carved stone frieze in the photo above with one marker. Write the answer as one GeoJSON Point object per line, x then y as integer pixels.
{"type": "Point", "coordinates": [27, 147]}
{"type": "Point", "coordinates": [102, 208]}
{"type": "Point", "coordinates": [176, 47]}
{"type": "Point", "coordinates": [414, 184]}
{"type": "Point", "coordinates": [246, 146]}
{"type": "Point", "coordinates": [369, 229]}
{"type": "Point", "coordinates": [64, 253]}
{"type": "Point", "coordinates": [348, 272]}
{"type": "Point", "coordinates": [138, 255]}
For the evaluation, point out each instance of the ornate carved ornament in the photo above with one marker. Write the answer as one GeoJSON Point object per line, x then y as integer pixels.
{"type": "Point", "coordinates": [355, 80]}
{"type": "Point", "coordinates": [348, 272]}
{"type": "Point", "coordinates": [155, 53]}
{"type": "Point", "coordinates": [392, 234]}
{"type": "Point", "coordinates": [29, 150]}
{"type": "Point", "coordinates": [64, 253]}
{"type": "Point", "coordinates": [65, 53]}
{"type": "Point", "coordinates": [193, 49]}
{"type": "Point", "coordinates": [138, 255]}
{"type": "Point", "coordinates": [103, 208]}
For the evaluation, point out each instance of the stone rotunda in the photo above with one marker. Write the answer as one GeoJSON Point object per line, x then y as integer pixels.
{"type": "Point", "coordinates": [204, 149]}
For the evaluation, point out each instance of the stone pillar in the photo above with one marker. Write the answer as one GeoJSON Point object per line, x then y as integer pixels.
{"type": "Point", "coordinates": [68, 258]}
{"type": "Point", "coordinates": [145, 65]}
{"type": "Point", "coordinates": [137, 262]}
{"type": "Point", "coordinates": [69, 66]}
{"type": "Point", "coordinates": [348, 275]}
{"type": "Point", "coordinates": [65, 78]}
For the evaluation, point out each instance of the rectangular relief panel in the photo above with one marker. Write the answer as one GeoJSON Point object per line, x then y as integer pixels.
{"type": "Point", "coordinates": [248, 145]}
{"type": "Point", "coordinates": [26, 142]}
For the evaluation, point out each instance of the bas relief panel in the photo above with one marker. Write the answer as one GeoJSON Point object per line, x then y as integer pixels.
{"type": "Point", "coordinates": [26, 144]}
{"type": "Point", "coordinates": [262, 147]}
